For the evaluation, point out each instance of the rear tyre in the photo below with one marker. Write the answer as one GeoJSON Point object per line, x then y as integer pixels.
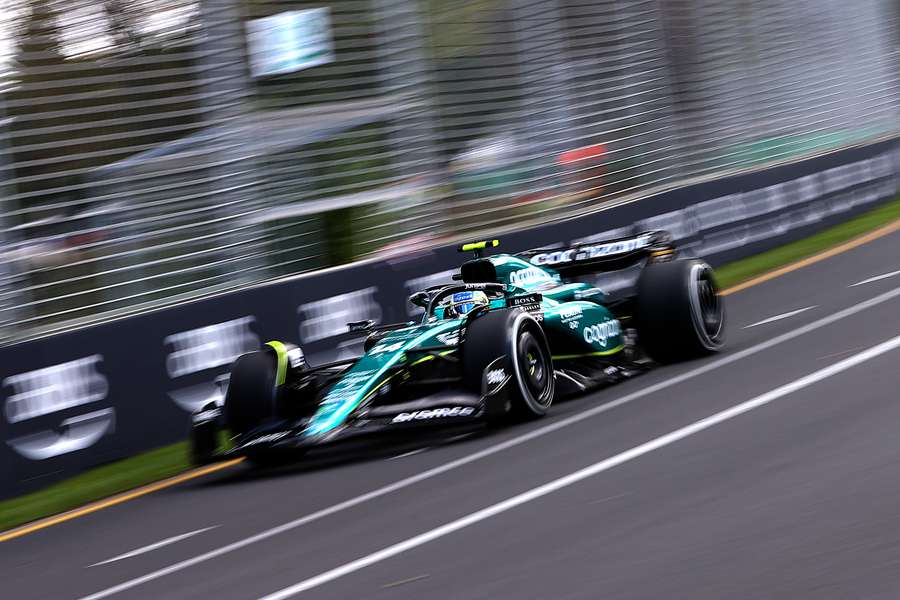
{"type": "Point", "coordinates": [516, 339]}
{"type": "Point", "coordinates": [679, 313]}
{"type": "Point", "coordinates": [252, 392]}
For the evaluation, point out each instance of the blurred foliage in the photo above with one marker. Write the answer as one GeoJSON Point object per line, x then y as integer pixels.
{"type": "Point", "coordinates": [72, 114]}
{"type": "Point", "coordinates": [340, 165]}
{"type": "Point", "coordinates": [461, 28]}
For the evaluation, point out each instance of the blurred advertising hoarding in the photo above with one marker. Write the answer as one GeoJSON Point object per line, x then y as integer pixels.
{"type": "Point", "coordinates": [290, 41]}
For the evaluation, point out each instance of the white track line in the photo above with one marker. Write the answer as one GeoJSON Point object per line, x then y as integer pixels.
{"type": "Point", "coordinates": [589, 471]}
{"type": "Point", "coordinates": [410, 453]}
{"type": "Point", "coordinates": [152, 547]}
{"type": "Point", "coordinates": [786, 315]}
{"type": "Point", "coordinates": [876, 278]}
{"type": "Point", "coordinates": [496, 448]}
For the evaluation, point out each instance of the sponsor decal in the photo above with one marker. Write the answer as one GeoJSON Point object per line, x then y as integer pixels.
{"type": "Point", "coordinates": [450, 338]}
{"type": "Point", "coordinates": [50, 390]}
{"type": "Point", "coordinates": [386, 347]}
{"type": "Point", "coordinates": [269, 438]}
{"type": "Point", "coordinates": [348, 387]}
{"type": "Point", "coordinates": [588, 293]}
{"type": "Point", "coordinates": [328, 318]}
{"type": "Point", "coordinates": [436, 413]}
{"type": "Point", "coordinates": [600, 333]}
{"type": "Point", "coordinates": [536, 311]}
{"type": "Point", "coordinates": [570, 313]}
{"type": "Point", "coordinates": [205, 349]}
{"type": "Point", "coordinates": [571, 316]}
{"type": "Point", "coordinates": [529, 276]}
{"type": "Point", "coordinates": [735, 220]}
{"type": "Point", "coordinates": [527, 300]}
{"type": "Point", "coordinates": [496, 376]}
{"type": "Point", "coordinates": [591, 252]}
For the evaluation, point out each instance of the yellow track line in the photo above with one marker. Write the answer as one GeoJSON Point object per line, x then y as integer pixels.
{"type": "Point", "coordinates": [117, 499]}
{"type": "Point", "coordinates": [849, 245]}
{"type": "Point", "coordinates": [194, 474]}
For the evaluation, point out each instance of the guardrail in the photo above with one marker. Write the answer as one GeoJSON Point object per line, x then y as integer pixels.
{"type": "Point", "coordinates": [81, 398]}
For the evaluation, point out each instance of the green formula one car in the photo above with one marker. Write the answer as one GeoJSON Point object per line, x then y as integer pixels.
{"type": "Point", "coordinates": [514, 333]}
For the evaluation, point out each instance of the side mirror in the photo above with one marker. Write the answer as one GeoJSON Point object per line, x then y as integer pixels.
{"type": "Point", "coordinates": [361, 325]}
{"type": "Point", "coordinates": [420, 299]}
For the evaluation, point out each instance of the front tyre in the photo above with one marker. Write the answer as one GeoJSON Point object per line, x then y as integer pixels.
{"type": "Point", "coordinates": [252, 392]}
{"type": "Point", "coordinates": [679, 313]}
{"type": "Point", "coordinates": [204, 441]}
{"type": "Point", "coordinates": [513, 339]}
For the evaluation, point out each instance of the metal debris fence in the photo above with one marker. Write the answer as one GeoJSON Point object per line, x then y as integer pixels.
{"type": "Point", "coordinates": [153, 151]}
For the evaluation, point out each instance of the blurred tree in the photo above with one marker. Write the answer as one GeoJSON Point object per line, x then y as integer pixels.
{"type": "Point", "coordinates": [123, 23]}
{"type": "Point", "coordinates": [72, 113]}
{"type": "Point", "coordinates": [93, 85]}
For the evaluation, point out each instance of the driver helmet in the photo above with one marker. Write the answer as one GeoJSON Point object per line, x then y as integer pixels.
{"type": "Point", "coordinates": [462, 303]}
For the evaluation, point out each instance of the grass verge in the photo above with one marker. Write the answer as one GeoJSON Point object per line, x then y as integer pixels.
{"type": "Point", "coordinates": [95, 484]}
{"type": "Point", "coordinates": [748, 268]}
{"type": "Point", "coordinates": [162, 463]}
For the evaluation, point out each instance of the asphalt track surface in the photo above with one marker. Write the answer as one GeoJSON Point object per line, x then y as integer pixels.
{"type": "Point", "coordinates": [789, 491]}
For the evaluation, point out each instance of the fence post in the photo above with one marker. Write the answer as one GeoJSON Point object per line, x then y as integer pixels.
{"type": "Point", "coordinates": [544, 67]}
{"type": "Point", "coordinates": [227, 88]}
{"type": "Point", "coordinates": [12, 294]}
{"type": "Point", "coordinates": [403, 72]}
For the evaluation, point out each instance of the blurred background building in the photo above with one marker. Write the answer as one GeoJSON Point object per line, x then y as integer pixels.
{"type": "Point", "coordinates": [153, 151]}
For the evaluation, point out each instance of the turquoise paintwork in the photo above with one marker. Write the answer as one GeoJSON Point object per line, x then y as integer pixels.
{"type": "Point", "coordinates": [370, 371]}
{"type": "Point", "coordinates": [579, 329]}
{"type": "Point", "coordinates": [575, 321]}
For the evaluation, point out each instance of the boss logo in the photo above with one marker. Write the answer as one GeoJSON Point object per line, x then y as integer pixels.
{"type": "Point", "coordinates": [599, 334]}
{"type": "Point", "coordinates": [53, 389]}
{"type": "Point", "coordinates": [527, 300]}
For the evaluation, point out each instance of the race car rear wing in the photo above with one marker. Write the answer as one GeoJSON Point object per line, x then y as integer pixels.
{"type": "Point", "coordinates": [608, 255]}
